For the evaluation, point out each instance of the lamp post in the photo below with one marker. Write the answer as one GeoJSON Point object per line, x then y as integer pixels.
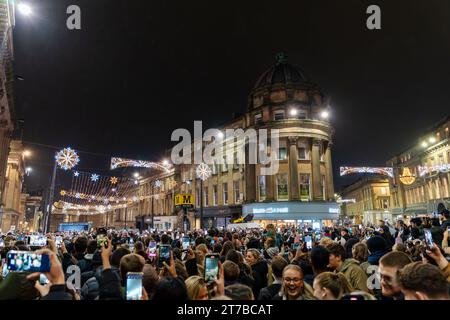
{"type": "Point", "coordinates": [203, 172]}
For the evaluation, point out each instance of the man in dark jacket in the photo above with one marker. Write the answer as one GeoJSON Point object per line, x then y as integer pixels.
{"type": "Point", "coordinates": [278, 264]}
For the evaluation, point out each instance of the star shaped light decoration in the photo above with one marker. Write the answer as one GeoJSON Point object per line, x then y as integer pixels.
{"type": "Point", "coordinates": [94, 177]}
{"type": "Point", "coordinates": [203, 171]}
{"type": "Point", "coordinates": [76, 174]}
{"type": "Point", "coordinates": [77, 195]}
{"type": "Point", "coordinates": [113, 180]}
{"type": "Point", "coordinates": [67, 158]}
{"type": "Point", "coordinates": [62, 193]}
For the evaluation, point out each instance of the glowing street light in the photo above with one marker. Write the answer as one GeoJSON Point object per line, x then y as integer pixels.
{"type": "Point", "coordinates": [432, 139]}
{"type": "Point", "coordinates": [28, 170]}
{"type": "Point", "coordinates": [26, 153]}
{"type": "Point", "coordinates": [24, 9]}
{"type": "Point", "coordinates": [324, 114]}
{"type": "Point", "coordinates": [293, 112]}
{"type": "Point", "coordinates": [136, 175]}
{"type": "Point", "coordinates": [424, 144]}
{"type": "Point", "coordinates": [220, 135]}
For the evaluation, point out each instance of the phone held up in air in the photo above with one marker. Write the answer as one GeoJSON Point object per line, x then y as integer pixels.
{"type": "Point", "coordinates": [152, 249]}
{"type": "Point", "coordinates": [428, 238]}
{"type": "Point", "coordinates": [211, 267]}
{"type": "Point", "coordinates": [134, 285]}
{"type": "Point", "coordinates": [308, 240]}
{"type": "Point", "coordinates": [28, 261]}
{"type": "Point", "coordinates": [43, 280]}
{"type": "Point", "coordinates": [164, 255]}
{"type": "Point", "coordinates": [185, 241]}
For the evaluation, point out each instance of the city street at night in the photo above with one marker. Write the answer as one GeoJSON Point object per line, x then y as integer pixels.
{"type": "Point", "coordinates": [242, 153]}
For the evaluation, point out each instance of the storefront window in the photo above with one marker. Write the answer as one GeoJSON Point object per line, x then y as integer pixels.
{"type": "Point", "coordinates": [236, 191]}
{"type": "Point", "coordinates": [282, 154]}
{"type": "Point", "coordinates": [304, 186]}
{"type": "Point", "coordinates": [262, 188]}
{"type": "Point", "coordinates": [282, 187]}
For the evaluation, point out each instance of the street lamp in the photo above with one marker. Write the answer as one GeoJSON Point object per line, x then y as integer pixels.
{"type": "Point", "coordinates": [324, 114]}
{"type": "Point", "coordinates": [24, 9]}
{"type": "Point", "coordinates": [26, 153]}
{"type": "Point", "coordinates": [28, 170]}
{"type": "Point", "coordinates": [203, 172]}
{"type": "Point", "coordinates": [293, 112]}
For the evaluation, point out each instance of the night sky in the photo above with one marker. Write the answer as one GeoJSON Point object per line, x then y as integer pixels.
{"type": "Point", "coordinates": [139, 69]}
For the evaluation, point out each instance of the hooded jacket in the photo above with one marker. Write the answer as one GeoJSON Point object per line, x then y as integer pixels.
{"type": "Point", "coordinates": [354, 274]}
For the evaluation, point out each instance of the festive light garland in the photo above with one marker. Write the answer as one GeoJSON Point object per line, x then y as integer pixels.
{"type": "Point", "coordinates": [126, 163]}
{"type": "Point", "coordinates": [436, 168]}
{"type": "Point", "coordinates": [388, 171]}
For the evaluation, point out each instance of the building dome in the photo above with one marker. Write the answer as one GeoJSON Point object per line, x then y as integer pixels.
{"type": "Point", "coordinates": [281, 73]}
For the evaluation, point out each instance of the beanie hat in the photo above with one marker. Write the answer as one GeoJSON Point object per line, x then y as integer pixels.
{"type": "Point", "coordinates": [376, 243]}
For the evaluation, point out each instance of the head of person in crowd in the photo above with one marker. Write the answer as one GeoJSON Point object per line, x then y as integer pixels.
{"type": "Point", "coordinates": [196, 288]}
{"type": "Point", "coordinates": [400, 247]}
{"type": "Point", "coordinates": [131, 263]}
{"type": "Point", "coordinates": [377, 248]}
{"type": "Point", "coordinates": [389, 266]}
{"type": "Point", "coordinates": [360, 252]}
{"type": "Point", "coordinates": [181, 269]}
{"type": "Point", "coordinates": [217, 248]}
{"type": "Point", "coordinates": [239, 291]}
{"type": "Point", "coordinates": [253, 256]}
{"type": "Point", "coordinates": [203, 248]}
{"type": "Point", "coordinates": [170, 289]}
{"type": "Point", "coordinates": [117, 256]}
{"type": "Point", "coordinates": [150, 279]}
{"type": "Point", "coordinates": [80, 245]}
{"type": "Point", "coordinates": [293, 286]}
{"type": "Point", "coordinates": [325, 242]}
{"type": "Point", "coordinates": [320, 257]}
{"type": "Point", "coordinates": [165, 239]}
{"type": "Point", "coordinates": [337, 256]}
{"type": "Point", "coordinates": [231, 272]}
{"type": "Point", "coordinates": [330, 286]}
{"type": "Point", "coordinates": [423, 281]}
{"type": "Point", "coordinates": [227, 246]}
{"type": "Point", "coordinates": [349, 246]}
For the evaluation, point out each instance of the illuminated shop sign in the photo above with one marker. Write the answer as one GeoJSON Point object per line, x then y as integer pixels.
{"type": "Point", "coordinates": [334, 210]}
{"type": "Point", "coordinates": [271, 210]}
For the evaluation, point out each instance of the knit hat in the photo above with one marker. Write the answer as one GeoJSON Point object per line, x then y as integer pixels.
{"type": "Point", "coordinates": [272, 252]}
{"type": "Point", "coordinates": [376, 243]}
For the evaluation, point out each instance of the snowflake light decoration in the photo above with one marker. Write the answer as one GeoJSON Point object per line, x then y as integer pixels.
{"type": "Point", "coordinates": [203, 171]}
{"type": "Point", "coordinates": [113, 180]}
{"type": "Point", "coordinates": [94, 177]}
{"type": "Point", "coordinates": [62, 193]}
{"type": "Point", "coordinates": [67, 158]}
{"type": "Point", "coordinates": [76, 174]}
{"type": "Point", "coordinates": [158, 183]}
{"type": "Point", "coordinates": [78, 195]}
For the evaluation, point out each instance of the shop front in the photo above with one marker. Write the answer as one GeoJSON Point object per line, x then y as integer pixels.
{"type": "Point", "coordinates": [294, 213]}
{"type": "Point", "coordinates": [218, 217]}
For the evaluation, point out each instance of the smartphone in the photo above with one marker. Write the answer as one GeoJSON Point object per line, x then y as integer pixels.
{"type": "Point", "coordinates": [58, 240]}
{"type": "Point", "coordinates": [134, 285]}
{"type": "Point", "coordinates": [5, 270]}
{"type": "Point", "coordinates": [164, 255]}
{"type": "Point", "coordinates": [28, 261]}
{"type": "Point", "coordinates": [2, 243]}
{"type": "Point", "coordinates": [318, 236]}
{"type": "Point", "coordinates": [37, 240]}
{"type": "Point", "coordinates": [308, 240]}
{"type": "Point", "coordinates": [43, 280]}
{"type": "Point", "coordinates": [428, 238]}
{"type": "Point", "coordinates": [102, 239]}
{"type": "Point", "coordinates": [211, 267]}
{"type": "Point", "coordinates": [152, 249]}
{"type": "Point", "coordinates": [185, 243]}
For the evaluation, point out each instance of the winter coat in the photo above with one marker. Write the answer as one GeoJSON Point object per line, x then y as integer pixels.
{"type": "Point", "coordinates": [354, 274]}
{"type": "Point", "coordinates": [269, 292]}
{"type": "Point", "coordinates": [259, 272]}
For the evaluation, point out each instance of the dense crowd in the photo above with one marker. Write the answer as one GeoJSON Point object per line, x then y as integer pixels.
{"type": "Point", "coordinates": [356, 262]}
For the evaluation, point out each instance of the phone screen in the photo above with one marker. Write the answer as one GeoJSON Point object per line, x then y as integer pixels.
{"type": "Point", "coordinates": [101, 239]}
{"type": "Point", "coordinates": [164, 255]}
{"type": "Point", "coordinates": [2, 243]}
{"type": "Point", "coordinates": [43, 280]}
{"type": "Point", "coordinates": [152, 249]}
{"type": "Point", "coordinates": [134, 285]}
{"type": "Point", "coordinates": [185, 243]}
{"type": "Point", "coordinates": [37, 240]}
{"type": "Point", "coordinates": [308, 241]}
{"type": "Point", "coordinates": [211, 267]}
{"type": "Point", "coordinates": [428, 238]}
{"type": "Point", "coordinates": [58, 240]}
{"type": "Point", "coordinates": [28, 261]}
{"type": "Point", "coordinates": [318, 236]}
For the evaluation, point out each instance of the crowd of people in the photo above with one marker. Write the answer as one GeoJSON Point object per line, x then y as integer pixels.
{"type": "Point", "coordinates": [356, 262]}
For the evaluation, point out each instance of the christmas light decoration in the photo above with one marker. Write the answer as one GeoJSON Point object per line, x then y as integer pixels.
{"type": "Point", "coordinates": [76, 174]}
{"type": "Point", "coordinates": [94, 177]}
{"type": "Point", "coordinates": [407, 177]}
{"type": "Point", "coordinates": [158, 183]}
{"type": "Point", "coordinates": [126, 163]}
{"type": "Point", "coordinates": [387, 171]}
{"type": "Point", "coordinates": [113, 180]}
{"type": "Point", "coordinates": [67, 158]}
{"type": "Point", "coordinates": [445, 167]}
{"type": "Point", "coordinates": [203, 171]}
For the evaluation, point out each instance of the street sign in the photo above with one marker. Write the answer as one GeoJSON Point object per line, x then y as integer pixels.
{"type": "Point", "coordinates": [183, 199]}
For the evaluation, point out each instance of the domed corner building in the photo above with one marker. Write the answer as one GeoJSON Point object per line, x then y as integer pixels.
{"type": "Point", "coordinates": [301, 192]}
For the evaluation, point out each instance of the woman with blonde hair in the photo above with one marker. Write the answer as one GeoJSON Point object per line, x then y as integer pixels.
{"type": "Point", "coordinates": [293, 287]}
{"type": "Point", "coordinates": [260, 269]}
{"type": "Point", "coordinates": [196, 288]}
{"type": "Point", "coordinates": [331, 286]}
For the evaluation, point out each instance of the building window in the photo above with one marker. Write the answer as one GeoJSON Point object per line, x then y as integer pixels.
{"type": "Point", "coordinates": [278, 115]}
{"type": "Point", "coordinates": [224, 165]}
{"type": "Point", "coordinates": [236, 190]}
{"type": "Point", "coordinates": [282, 154]}
{"type": "Point", "coordinates": [302, 153]}
{"type": "Point", "coordinates": [205, 192]}
{"type": "Point", "coordinates": [301, 115]}
{"type": "Point", "coordinates": [258, 118]}
{"type": "Point", "coordinates": [304, 186]}
{"type": "Point", "coordinates": [235, 160]}
{"type": "Point", "coordinates": [225, 193]}
{"type": "Point", "coordinates": [215, 195]}
{"type": "Point", "coordinates": [262, 188]}
{"type": "Point", "coordinates": [385, 203]}
{"type": "Point", "coordinates": [282, 187]}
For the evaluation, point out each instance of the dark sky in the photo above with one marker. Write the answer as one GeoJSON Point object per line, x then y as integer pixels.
{"type": "Point", "coordinates": [139, 69]}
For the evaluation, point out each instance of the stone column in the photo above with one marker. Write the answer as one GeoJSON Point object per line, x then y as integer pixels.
{"type": "Point", "coordinates": [329, 170]}
{"type": "Point", "coordinates": [250, 183]}
{"type": "Point", "coordinates": [315, 170]}
{"type": "Point", "coordinates": [270, 187]}
{"type": "Point", "coordinates": [293, 169]}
